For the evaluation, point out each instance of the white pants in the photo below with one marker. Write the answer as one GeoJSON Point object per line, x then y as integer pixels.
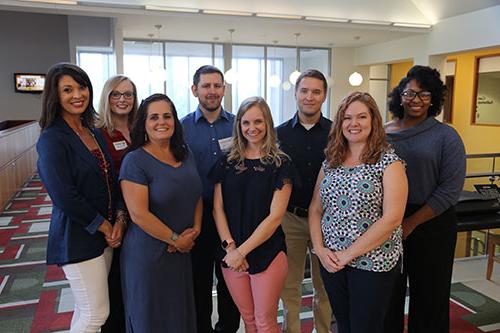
{"type": "Point", "coordinates": [89, 285]}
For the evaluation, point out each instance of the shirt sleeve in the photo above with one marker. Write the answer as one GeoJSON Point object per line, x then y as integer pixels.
{"type": "Point", "coordinates": [451, 174]}
{"type": "Point", "coordinates": [218, 172]}
{"type": "Point", "coordinates": [391, 157]}
{"type": "Point", "coordinates": [55, 171]}
{"type": "Point", "coordinates": [132, 170]}
{"type": "Point", "coordinates": [286, 174]}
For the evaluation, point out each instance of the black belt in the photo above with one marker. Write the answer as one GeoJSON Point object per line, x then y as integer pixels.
{"type": "Point", "coordinates": [299, 211]}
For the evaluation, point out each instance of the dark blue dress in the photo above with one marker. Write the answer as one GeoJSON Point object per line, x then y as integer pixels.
{"type": "Point", "coordinates": [157, 286]}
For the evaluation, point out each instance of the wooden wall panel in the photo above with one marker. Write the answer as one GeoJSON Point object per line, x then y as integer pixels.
{"type": "Point", "coordinates": [17, 158]}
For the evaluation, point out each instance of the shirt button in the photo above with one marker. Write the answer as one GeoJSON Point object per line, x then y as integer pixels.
{"type": "Point", "coordinates": [211, 125]}
{"type": "Point", "coordinates": [309, 163]}
{"type": "Point", "coordinates": [308, 147]}
{"type": "Point", "coordinates": [215, 153]}
{"type": "Point", "coordinates": [213, 139]}
{"type": "Point", "coordinates": [309, 180]}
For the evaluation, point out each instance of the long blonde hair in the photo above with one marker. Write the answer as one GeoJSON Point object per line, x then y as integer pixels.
{"type": "Point", "coordinates": [105, 120]}
{"type": "Point", "coordinates": [337, 147]}
{"type": "Point", "coordinates": [271, 154]}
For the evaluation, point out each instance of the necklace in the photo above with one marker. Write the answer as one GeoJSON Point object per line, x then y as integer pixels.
{"type": "Point", "coordinates": [105, 166]}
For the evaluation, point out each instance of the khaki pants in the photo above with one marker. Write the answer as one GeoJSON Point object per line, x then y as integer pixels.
{"type": "Point", "coordinates": [298, 242]}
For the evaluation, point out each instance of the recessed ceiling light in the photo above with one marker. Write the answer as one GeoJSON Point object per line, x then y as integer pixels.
{"type": "Point", "coordinates": [59, 2]}
{"type": "Point", "coordinates": [226, 12]}
{"type": "Point", "coordinates": [370, 22]}
{"type": "Point", "coordinates": [326, 19]}
{"type": "Point", "coordinates": [172, 9]}
{"type": "Point", "coordinates": [412, 25]}
{"type": "Point", "coordinates": [279, 16]}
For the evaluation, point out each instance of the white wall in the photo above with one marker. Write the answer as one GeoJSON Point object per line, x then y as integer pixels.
{"type": "Point", "coordinates": [342, 67]}
{"type": "Point", "coordinates": [480, 29]}
{"type": "Point", "coordinates": [378, 85]}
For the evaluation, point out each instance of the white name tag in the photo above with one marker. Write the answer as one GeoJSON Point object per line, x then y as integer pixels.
{"type": "Point", "coordinates": [120, 145]}
{"type": "Point", "coordinates": [225, 144]}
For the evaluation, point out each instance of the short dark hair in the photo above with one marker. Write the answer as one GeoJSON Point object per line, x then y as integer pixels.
{"type": "Point", "coordinates": [206, 69]}
{"type": "Point", "coordinates": [51, 107]}
{"type": "Point", "coordinates": [428, 79]}
{"type": "Point", "coordinates": [138, 134]}
{"type": "Point", "coordinates": [314, 73]}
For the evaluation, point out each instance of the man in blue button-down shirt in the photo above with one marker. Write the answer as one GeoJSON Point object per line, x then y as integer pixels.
{"type": "Point", "coordinates": [208, 132]}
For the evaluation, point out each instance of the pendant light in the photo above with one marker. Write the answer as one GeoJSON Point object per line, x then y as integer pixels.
{"type": "Point", "coordinates": [230, 75]}
{"type": "Point", "coordinates": [274, 79]}
{"type": "Point", "coordinates": [296, 73]}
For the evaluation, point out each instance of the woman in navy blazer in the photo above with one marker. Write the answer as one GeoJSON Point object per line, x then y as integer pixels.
{"type": "Point", "coordinates": [77, 172]}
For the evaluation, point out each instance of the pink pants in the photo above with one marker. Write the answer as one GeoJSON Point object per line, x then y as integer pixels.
{"type": "Point", "coordinates": [257, 295]}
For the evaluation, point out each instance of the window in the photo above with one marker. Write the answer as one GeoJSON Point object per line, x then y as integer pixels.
{"type": "Point", "coordinates": [143, 63]}
{"type": "Point", "coordinates": [260, 70]}
{"type": "Point", "coordinates": [248, 64]}
{"type": "Point", "coordinates": [487, 100]}
{"type": "Point", "coordinates": [99, 66]}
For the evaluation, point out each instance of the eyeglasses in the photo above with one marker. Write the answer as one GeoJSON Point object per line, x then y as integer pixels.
{"type": "Point", "coordinates": [116, 95]}
{"type": "Point", "coordinates": [410, 95]}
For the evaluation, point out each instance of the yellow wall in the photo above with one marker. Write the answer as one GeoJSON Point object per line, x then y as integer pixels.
{"type": "Point", "coordinates": [477, 138]}
{"type": "Point", "coordinates": [398, 71]}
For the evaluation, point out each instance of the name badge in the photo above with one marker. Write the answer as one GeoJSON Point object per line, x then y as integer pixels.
{"type": "Point", "coordinates": [120, 145]}
{"type": "Point", "coordinates": [225, 144]}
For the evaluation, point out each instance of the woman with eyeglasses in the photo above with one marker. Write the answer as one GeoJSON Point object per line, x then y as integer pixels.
{"type": "Point", "coordinates": [117, 107]}
{"type": "Point", "coordinates": [435, 157]}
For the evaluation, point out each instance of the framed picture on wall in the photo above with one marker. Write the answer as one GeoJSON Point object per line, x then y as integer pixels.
{"type": "Point", "coordinates": [29, 83]}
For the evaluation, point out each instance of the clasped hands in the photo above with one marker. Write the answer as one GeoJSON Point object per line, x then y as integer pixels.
{"type": "Point", "coordinates": [185, 242]}
{"type": "Point", "coordinates": [235, 260]}
{"type": "Point", "coordinates": [112, 233]}
{"type": "Point", "coordinates": [333, 261]}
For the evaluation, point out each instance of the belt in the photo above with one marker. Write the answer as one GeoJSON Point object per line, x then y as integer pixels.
{"type": "Point", "coordinates": [299, 211]}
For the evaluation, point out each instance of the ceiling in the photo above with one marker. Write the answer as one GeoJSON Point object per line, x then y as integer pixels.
{"type": "Point", "coordinates": [137, 22]}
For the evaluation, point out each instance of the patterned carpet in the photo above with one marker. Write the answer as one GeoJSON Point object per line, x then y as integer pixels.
{"type": "Point", "coordinates": [36, 298]}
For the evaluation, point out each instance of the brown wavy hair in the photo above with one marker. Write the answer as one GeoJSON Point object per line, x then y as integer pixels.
{"type": "Point", "coordinates": [337, 147]}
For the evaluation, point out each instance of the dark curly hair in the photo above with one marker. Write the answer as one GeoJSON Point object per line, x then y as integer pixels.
{"type": "Point", "coordinates": [428, 79]}
{"type": "Point", "coordinates": [138, 134]}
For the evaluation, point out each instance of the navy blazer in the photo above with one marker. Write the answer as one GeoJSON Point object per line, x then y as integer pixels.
{"type": "Point", "coordinates": [78, 191]}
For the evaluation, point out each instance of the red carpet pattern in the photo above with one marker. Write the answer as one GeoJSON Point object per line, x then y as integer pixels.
{"type": "Point", "coordinates": [36, 298]}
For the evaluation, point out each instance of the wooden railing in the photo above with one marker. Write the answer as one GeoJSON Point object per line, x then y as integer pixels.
{"type": "Point", "coordinates": [17, 156]}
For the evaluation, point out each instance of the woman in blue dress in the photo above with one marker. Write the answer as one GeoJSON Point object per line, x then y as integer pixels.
{"type": "Point", "coordinates": [162, 190]}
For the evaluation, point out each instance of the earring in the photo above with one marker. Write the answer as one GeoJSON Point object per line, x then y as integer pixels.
{"type": "Point", "coordinates": [145, 136]}
{"type": "Point", "coordinates": [432, 104]}
{"type": "Point", "coordinates": [400, 104]}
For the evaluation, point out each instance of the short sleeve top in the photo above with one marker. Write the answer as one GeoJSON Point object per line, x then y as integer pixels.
{"type": "Point", "coordinates": [173, 192]}
{"type": "Point", "coordinates": [247, 192]}
{"type": "Point", "coordinates": [352, 200]}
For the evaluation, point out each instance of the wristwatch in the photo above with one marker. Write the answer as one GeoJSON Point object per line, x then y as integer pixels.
{"type": "Point", "coordinates": [175, 236]}
{"type": "Point", "coordinates": [226, 243]}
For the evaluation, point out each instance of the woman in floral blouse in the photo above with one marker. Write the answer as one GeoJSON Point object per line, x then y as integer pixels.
{"type": "Point", "coordinates": [355, 216]}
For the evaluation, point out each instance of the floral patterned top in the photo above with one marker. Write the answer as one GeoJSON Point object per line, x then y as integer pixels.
{"type": "Point", "coordinates": [352, 200]}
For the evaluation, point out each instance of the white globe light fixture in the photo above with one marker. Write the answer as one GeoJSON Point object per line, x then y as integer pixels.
{"type": "Point", "coordinates": [274, 81]}
{"type": "Point", "coordinates": [286, 86]}
{"type": "Point", "coordinates": [230, 76]}
{"type": "Point", "coordinates": [294, 76]}
{"type": "Point", "coordinates": [355, 79]}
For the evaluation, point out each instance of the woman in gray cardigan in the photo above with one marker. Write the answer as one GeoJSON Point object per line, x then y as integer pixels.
{"type": "Point", "coordinates": [435, 158]}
